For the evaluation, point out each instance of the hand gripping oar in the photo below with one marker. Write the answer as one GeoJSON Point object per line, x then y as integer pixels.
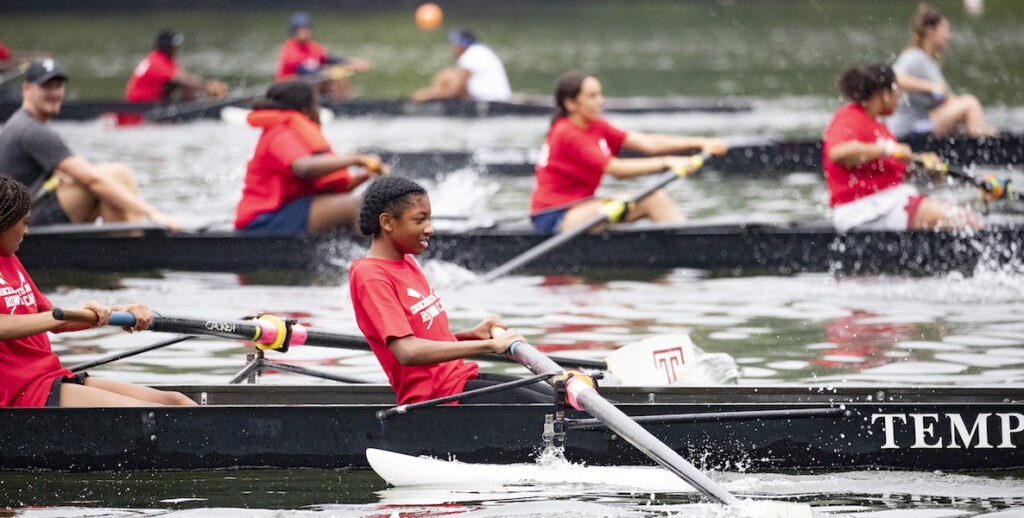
{"type": "Point", "coordinates": [273, 333]}
{"type": "Point", "coordinates": [581, 394]}
{"type": "Point", "coordinates": [611, 211]}
{"type": "Point", "coordinates": [993, 187]}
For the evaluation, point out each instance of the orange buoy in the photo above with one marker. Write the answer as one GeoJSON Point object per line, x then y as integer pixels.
{"type": "Point", "coordinates": [428, 16]}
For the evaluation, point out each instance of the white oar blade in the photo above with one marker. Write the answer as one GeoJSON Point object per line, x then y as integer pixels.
{"type": "Point", "coordinates": [406, 471]}
{"type": "Point", "coordinates": [774, 509]}
{"type": "Point", "coordinates": [671, 360]}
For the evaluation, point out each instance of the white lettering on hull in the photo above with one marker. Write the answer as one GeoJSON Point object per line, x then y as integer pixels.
{"type": "Point", "coordinates": [949, 431]}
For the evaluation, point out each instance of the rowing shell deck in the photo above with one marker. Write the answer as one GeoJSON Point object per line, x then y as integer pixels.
{"type": "Point", "coordinates": [732, 248]}
{"type": "Point", "coordinates": [331, 426]}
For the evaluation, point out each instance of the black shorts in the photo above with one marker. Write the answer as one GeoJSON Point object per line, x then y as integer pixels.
{"type": "Point", "coordinates": [53, 400]}
{"type": "Point", "coordinates": [540, 392]}
{"type": "Point", "coordinates": [47, 211]}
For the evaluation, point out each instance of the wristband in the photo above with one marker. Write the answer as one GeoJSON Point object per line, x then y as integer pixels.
{"type": "Point", "coordinates": [890, 148]}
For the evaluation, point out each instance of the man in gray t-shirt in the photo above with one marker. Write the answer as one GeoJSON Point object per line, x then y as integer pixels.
{"type": "Point", "coordinates": [32, 153]}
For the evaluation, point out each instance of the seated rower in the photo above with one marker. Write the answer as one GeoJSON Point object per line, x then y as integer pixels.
{"type": "Point", "coordinates": [301, 57]}
{"type": "Point", "coordinates": [159, 77]}
{"type": "Point", "coordinates": [35, 155]}
{"type": "Point", "coordinates": [930, 105]}
{"type": "Point", "coordinates": [30, 373]}
{"type": "Point", "coordinates": [404, 319]}
{"type": "Point", "coordinates": [865, 165]}
{"type": "Point", "coordinates": [294, 183]}
{"type": "Point", "coordinates": [580, 149]}
{"type": "Point", "coordinates": [478, 74]}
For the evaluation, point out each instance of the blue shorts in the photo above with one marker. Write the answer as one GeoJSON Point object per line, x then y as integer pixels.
{"type": "Point", "coordinates": [290, 219]}
{"type": "Point", "coordinates": [548, 222]}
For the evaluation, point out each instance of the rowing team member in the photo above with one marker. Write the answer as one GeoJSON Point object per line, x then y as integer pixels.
{"type": "Point", "coordinates": [402, 316]}
{"type": "Point", "coordinates": [581, 147]}
{"type": "Point", "coordinates": [66, 187]}
{"type": "Point", "coordinates": [478, 74]}
{"type": "Point", "coordinates": [294, 183]}
{"type": "Point", "coordinates": [30, 373]}
{"type": "Point", "coordinates": [303, 58]}
{"type": "Point", "coordinates": [931, 106]}
{"type": "Point", "coordinates": [865, 165]}
{"type": "Point", "coordinates": [159, 78]}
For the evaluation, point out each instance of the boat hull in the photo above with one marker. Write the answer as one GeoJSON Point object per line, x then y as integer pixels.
{"type": "Point", "coordinates": [331, 427]}
{"type": "Point", "coordinates": [735, 249]}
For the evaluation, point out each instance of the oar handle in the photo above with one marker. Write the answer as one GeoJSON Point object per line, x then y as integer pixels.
{"type": "Point", "coordinates": [264, 331]}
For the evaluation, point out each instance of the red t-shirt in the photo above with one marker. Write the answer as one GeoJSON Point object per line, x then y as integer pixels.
{"type": "Point", "coordinates": [846, 184]}
{"type": "Point", "coordinates": [269, 181]}
{"type": "Point", "coordinates": [149, 77]}
{"type": "Point", "coordinates": [5, 53]}
{"type": "Point", "coordinates": [27, 365]}
{"type": "Point", "coordinates": [572, 162]}
{"type": "Point", "coordinates": [294, 53]}
{"type": "Point", "coordinates": [393, 299]}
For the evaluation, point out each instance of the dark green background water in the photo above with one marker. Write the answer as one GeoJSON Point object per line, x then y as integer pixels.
{"type": "Point", "coordinates": [760, 49]}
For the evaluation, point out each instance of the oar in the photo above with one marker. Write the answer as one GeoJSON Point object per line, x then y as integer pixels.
{"type": "Point", "coordinates": [47, 187]}
{"type": "Point", "coordinates": [127, 354]}
{"type": "Point", "coordinates": [582, 395]}
{"type": "Point", "coordinates": [633, 361]}
{"type": "Point", "coordinates": [611, 211]}
{"type": "Point", "coordinates": [996, 188]}
{"type": "Point", "coordinates": [267, 331]}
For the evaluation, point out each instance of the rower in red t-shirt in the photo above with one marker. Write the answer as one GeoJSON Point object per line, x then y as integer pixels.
{"type": "Point", "coordinates": [302, 57]}
{"type": "Point", "coordinates": [581, 147]}
{"type": "Point", "coordinates": [294, 183]}
{"type": "Point", "coordinates": [159, 78]}
{"type": "Point", "coordinates": [31, 375]}
{"type": "Point", "coordinates": [865, 165]}
{"type": "Point", "coordinates": [402, 316]}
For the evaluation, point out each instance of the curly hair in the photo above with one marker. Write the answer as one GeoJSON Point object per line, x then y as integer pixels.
{"type": "Point", "coordinates": [14, 202]}
{"type": "Point", "coordinates": [860, 83]}
{"type": "Point", "coordinates": [390, 194]}
{"type": "Point", "coordinates": [287, 95]}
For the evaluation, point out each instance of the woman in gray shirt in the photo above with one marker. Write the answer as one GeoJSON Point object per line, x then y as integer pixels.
{"type": "Point", "coordinates": [930, 106]}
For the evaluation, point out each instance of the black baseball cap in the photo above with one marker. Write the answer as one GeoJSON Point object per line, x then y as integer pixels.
{"type": "Point", "coordinates": [43, 70]}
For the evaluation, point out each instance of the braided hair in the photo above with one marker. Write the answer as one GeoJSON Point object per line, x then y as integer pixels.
{"type": "Point", "coordinates": [14, 202]}
{"type": "Point", "coordinates": [390, 194]}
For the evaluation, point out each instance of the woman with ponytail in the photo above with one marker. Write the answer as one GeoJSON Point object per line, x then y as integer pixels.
{"type": "Point", "coordinates": [931, 106]}
{"type": "Point", "coordinates": [581, 147]}
{"type": "Point", "coordinates": [865, 165]}
{"type": "Point", "coordinates": [294, 183]}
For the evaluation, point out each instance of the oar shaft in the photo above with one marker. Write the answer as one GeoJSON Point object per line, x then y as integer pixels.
{"type": "Point", "coordinates": [255, 330]}
{"type": "Point", "coordinates": [599, 218]}
{"type": "Point", "coordinates": [599, 407]}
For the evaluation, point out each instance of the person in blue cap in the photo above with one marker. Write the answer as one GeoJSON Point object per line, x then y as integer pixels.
{"type": "Point", "coordinates": [301, 56]}
{"type": "Point", "coordinates": [478, 74]}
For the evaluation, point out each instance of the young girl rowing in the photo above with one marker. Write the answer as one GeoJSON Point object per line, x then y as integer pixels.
{"type": "Point", "coordinates": [30, 373]}
{"type": "Point", "coordinates": [402, 316]}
